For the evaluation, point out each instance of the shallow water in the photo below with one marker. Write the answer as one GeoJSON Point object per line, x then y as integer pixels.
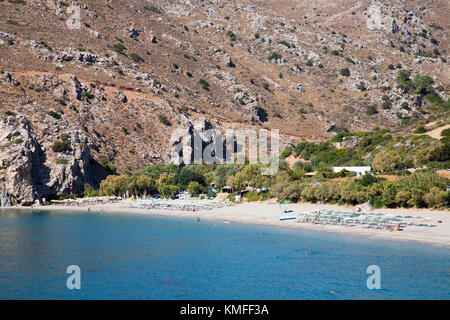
{"type": "Point", "coordinates": [128, 256]}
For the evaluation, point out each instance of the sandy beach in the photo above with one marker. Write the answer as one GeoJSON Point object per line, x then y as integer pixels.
{"type": "Point", "coordinates": [268, 213]}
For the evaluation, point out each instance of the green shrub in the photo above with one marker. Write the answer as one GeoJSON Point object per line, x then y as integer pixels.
{"type": "Point", "coordinates": [12, 22]}
{"type": "Point", "coordinates": [136, 58]}
{"type": "Point", "coordinates": [435, 26]}
{"type": "Point", "coordinates": [187, 175]}
{"type": "Point", "coordinates": [194, 188]}
{"type": "Point", "coordinates": [423, 84]}
{"type": "Point", "coordinates": [274, 56]}
{"type": "Point", "coordinates": [445, 132]}
{"type": "Point", "coordinates": [345, 72]}
{"type": "Point", "coordinates": [361, 86]}
{"type": "Point", "coordinates": [87, 95]}
{"type": "Point", "coordinates": [349, 60]}
{"type": "Point", "coordinates": [17, 141]}
{"type": "Point", "coordinates": [436, 197]}
{"type": "Point", "coordinates": [54, 114]}
{"type": "Point", "coordinates": [183, 109]}
{"type": "Point", "coordinates": [62, 161]}
{"type": "Point", "coordinates": [339, 137]}
{"type": "Point", "coordinates": [433, 98]}
{"type": "Point", "coordinates": [286, 153]}
{"type": "Point", "coordinates": [420, 129]}
{"type": "Point", "coordinates": [163, 119]}
{"type": "Point", "coordinates": [61, 101]}
{"type": "Point", "coordinates": [89, 191]}
{"type": "Point", "coordinates": [404, 82]}
{"type": "Point", "coordinates": [264, 196]}
{"type": "Point", "coordinates": [107, 164]}
{"type": "Point", "coordinates": [371, 110]}
{"type": "Point", "coordinates": [386, 105]}
{"type": "Point", "coordinates": [231, 35]}
{"type": "Point", "coordinates": [153, 9]}
{"type": "Point", "coordinates": [286, 44]}
{"type": "Point", "coordinates": [441, 152]}
{"type": "Point", "coordinates": [119, 48]}
{"type": "Point", "coordinates": [61, 145]}
{"type": "Point", "coordinates": [252, 196]}
{"type": "Point", "coordinates": [405, 106]}
{"type": "Point", "coordinates": [10, 113]}
{"type": "Point", "coordinates": [204, 84]}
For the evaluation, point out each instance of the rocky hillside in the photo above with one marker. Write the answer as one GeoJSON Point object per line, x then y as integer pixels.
{"type": "Point", "coordinates": [78, 104]}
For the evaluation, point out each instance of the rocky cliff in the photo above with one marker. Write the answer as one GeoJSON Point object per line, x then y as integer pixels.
{"type": "Point", "coordinates": [32, 169]}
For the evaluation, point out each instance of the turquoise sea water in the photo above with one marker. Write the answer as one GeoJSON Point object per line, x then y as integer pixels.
{"type": "Point", "coordinates": [126, 256]}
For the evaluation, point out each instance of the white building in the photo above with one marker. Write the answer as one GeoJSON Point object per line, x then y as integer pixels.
{"type": "Point", "coordinates": [360, 171]}
{"type": "Point", "coordinates": [184, 195]}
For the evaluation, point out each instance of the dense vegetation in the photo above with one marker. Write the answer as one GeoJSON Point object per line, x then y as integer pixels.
{"type": "Point", "coordinates": [377, 148]}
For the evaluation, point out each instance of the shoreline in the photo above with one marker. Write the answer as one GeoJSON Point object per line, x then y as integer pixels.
{"type": "Point", "coordinates": [265, 213]}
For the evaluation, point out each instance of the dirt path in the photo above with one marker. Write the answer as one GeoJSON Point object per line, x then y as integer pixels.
{"type": "Point", "coordinates": [436, 133]}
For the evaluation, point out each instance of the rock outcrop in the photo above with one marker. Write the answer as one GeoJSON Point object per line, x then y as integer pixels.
{"type": "Point", "coordinates": [17, 151]}
{"type": "Point", "coordinates": [31, 169]}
